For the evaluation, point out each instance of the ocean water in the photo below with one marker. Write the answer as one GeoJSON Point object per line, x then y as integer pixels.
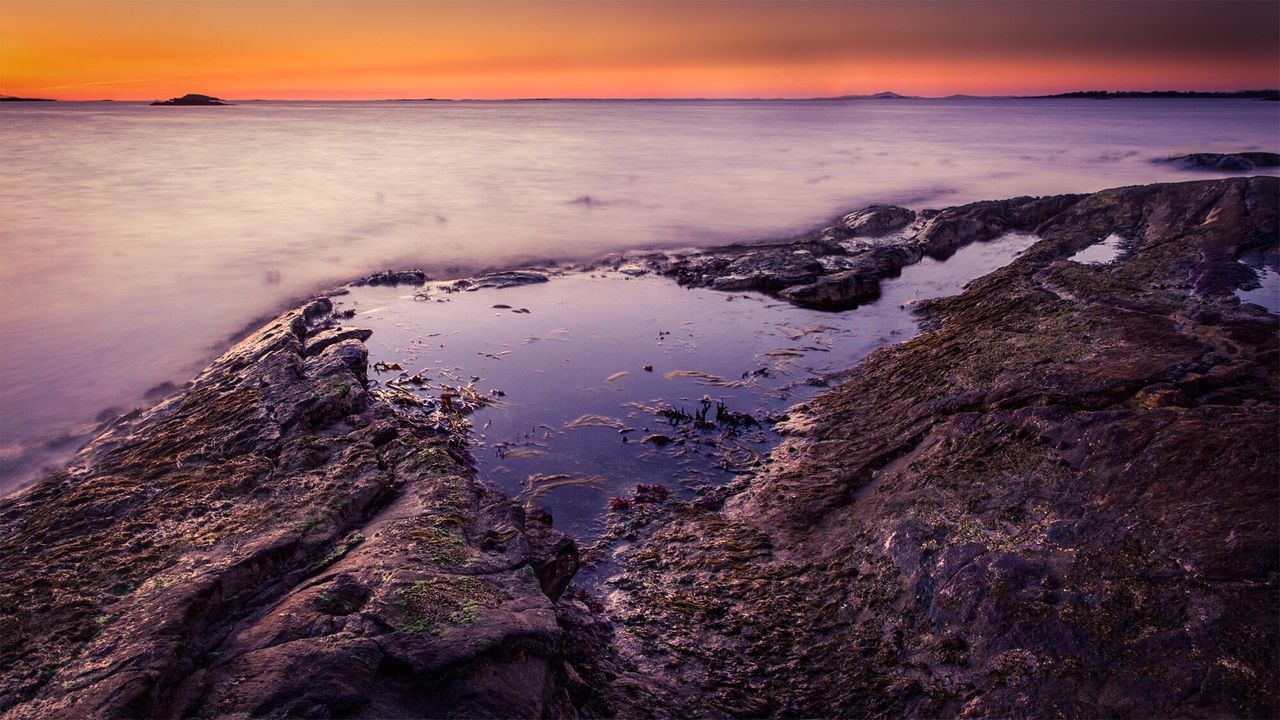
{"type": "Point", "coordinates": [135, 242]}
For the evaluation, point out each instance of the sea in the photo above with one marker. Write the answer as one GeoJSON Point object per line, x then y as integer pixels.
{"type": "Point", "coordinates": [137, 242]}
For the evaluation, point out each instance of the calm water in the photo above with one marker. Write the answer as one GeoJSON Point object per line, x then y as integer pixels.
{"type": "Point", "coordinates": [568, 431]}
{"type": "Point", "coordinates": [136, 240]}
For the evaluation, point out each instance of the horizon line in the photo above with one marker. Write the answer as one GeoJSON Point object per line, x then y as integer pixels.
{"type": "Point", "coordinates": [884, 95]}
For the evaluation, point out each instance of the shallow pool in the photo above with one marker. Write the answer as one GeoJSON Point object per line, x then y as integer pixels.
{"type": "Point", "coordinates": [1267, 294]}
{"type": "Point", "coordinates": [1102, 252]}
{"type": "Point", "coordinates": [597, 382]}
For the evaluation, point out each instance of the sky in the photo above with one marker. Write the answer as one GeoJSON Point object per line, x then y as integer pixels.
{"type": "Point", "coordinates": [375, 49]}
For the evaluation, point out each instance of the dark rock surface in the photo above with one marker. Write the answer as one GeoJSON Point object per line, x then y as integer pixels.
{"type": "Point", "coordinates": [276, 542]}
{"type": "Point", "coordinates": [499, 280]}
{"type": "Point", "coordinates": [192, 99]}
{"type": "Point", "coordinates": [841, 266]}
{"type": "Point", "coordinates": [1061, 501]}
{"type": "Point", "coordinates": [1232, 162]}
{"type": "Point", "coordinates": [394, 277]}
{"type": "Point", "coordinates": [877, 220]}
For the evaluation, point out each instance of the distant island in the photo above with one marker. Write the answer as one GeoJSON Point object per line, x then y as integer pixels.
{"type": "Point", "coordinates": [887, 95]}
{"type": "Point", "coordinates": [193, 99]}
{"type": "Point", "coordinates": [1272, 95]}
{"type": "Point", "coordinates": [10, 98]}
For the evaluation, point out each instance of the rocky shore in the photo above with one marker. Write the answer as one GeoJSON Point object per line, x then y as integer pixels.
{"type": "Point", "coordinates": [275, 542]}
{"type": "Point", "coordinates": [1060, 500]}
{"type": "Point", "coordinates": [842, 265]}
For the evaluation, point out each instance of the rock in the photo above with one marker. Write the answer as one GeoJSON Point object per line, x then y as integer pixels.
{"type": "Point", "coordinates": [275, 541]}
{"type": "Point", "coordinates": [322, 340]}
{"type": "Point", "coordinates": [499, 280]}
{"type": "Point", "coordinates": [192, 99]}
{"type": "Point", "coordinates": [877, 220]}
{"type": "Point", "coordinates": [834, 292]}
{"type": "Point", "coordinates": [768, 271]}
{"type": "Point", "coordinates": [1033, 508]}
{"type": "Point", "coordinates": [820, 270]}
{"type": "Point", "coordinates": [394, 277]}
{"type": "Point", "coordinates": [553, 555]}
{"type": "Point", "coordinates": [1231, 162]}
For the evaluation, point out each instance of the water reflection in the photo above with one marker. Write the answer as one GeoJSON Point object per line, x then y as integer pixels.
{"type": "Point", "coordinates": [609, 381]}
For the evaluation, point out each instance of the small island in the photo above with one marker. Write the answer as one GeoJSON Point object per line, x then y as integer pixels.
{"type": "Point", "coordinates": [10, 98]}
{"type": "Point", "coordinates": [192, 99]}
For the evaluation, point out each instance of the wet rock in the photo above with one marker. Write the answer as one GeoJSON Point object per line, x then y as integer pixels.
{"type": "Point", "coordinates": [319, 342]}
{"type": "Point", "coordinates": [877, 220]}
{"type": "Point", "coordinates": [499, 280]}
{"type": "Point", "coordinates": [1231, 162]}
{"type": "Point", "coordinates": [834, 292]}
{"type": "Point", "coordinates": [553, 555]}
{"type": "Point", "coordinates": [394, 277]}
{"type": "Point", "coordinates": [825, 270]}
{"type": "Point", "coordinates": [768, 271]}
{"type": "Point", "coordinates": [158, 392]}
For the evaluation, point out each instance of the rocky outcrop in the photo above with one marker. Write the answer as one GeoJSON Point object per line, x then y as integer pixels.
{"type": "Point", "coordinates": [500, 280]}
{"type": "Point", "coordinates": [394, 277]}
{"type": "Point", "coordinates": [841, 266]}
{"type": "Point", "coordinates": [1059, 501]}
{"type": "Point", "coordinates": [276, 542]}
{"type": "Point", "coordinates": [877, 220]}
{"type": "Point", "coordinates": [1231, 162]}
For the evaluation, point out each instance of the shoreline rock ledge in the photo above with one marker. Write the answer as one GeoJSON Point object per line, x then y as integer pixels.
{"type": "Point", "coordinates": [277, 542]}
{"type": "Point", "coordinates": [1059, 500]}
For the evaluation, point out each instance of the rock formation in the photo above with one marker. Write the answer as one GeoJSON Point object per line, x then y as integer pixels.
{"type": "Point", "coordinates": [1231, 162]}
{"type": "Point", "coordinates": [841, 266]}
{"type": "Point", "coordinates": [273, 542]}
{"type": "Point", "coordinates": [1060, 501]}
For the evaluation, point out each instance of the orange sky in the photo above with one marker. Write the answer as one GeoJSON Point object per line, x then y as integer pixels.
{"type": "Point", "coordinates": [321, 49]}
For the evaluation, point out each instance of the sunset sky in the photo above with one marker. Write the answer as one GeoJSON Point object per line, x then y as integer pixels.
{"type": "Point", "coordinates": [338, 49]}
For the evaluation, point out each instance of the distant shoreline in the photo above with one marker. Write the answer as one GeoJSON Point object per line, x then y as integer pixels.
{"type": "Point", "coordinates": [1271, 95]}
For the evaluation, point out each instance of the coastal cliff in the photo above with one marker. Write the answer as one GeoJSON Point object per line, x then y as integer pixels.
{"type": "Point", "coordinates": [1059, 500]}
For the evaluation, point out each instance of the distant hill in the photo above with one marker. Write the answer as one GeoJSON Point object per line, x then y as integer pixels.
{"type": "Point", "coordinates": [887, 95]}
{"type": "Point", "coordinates": [1272, 95]}
{"type": "Point", "coordinates": [11, 98]}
